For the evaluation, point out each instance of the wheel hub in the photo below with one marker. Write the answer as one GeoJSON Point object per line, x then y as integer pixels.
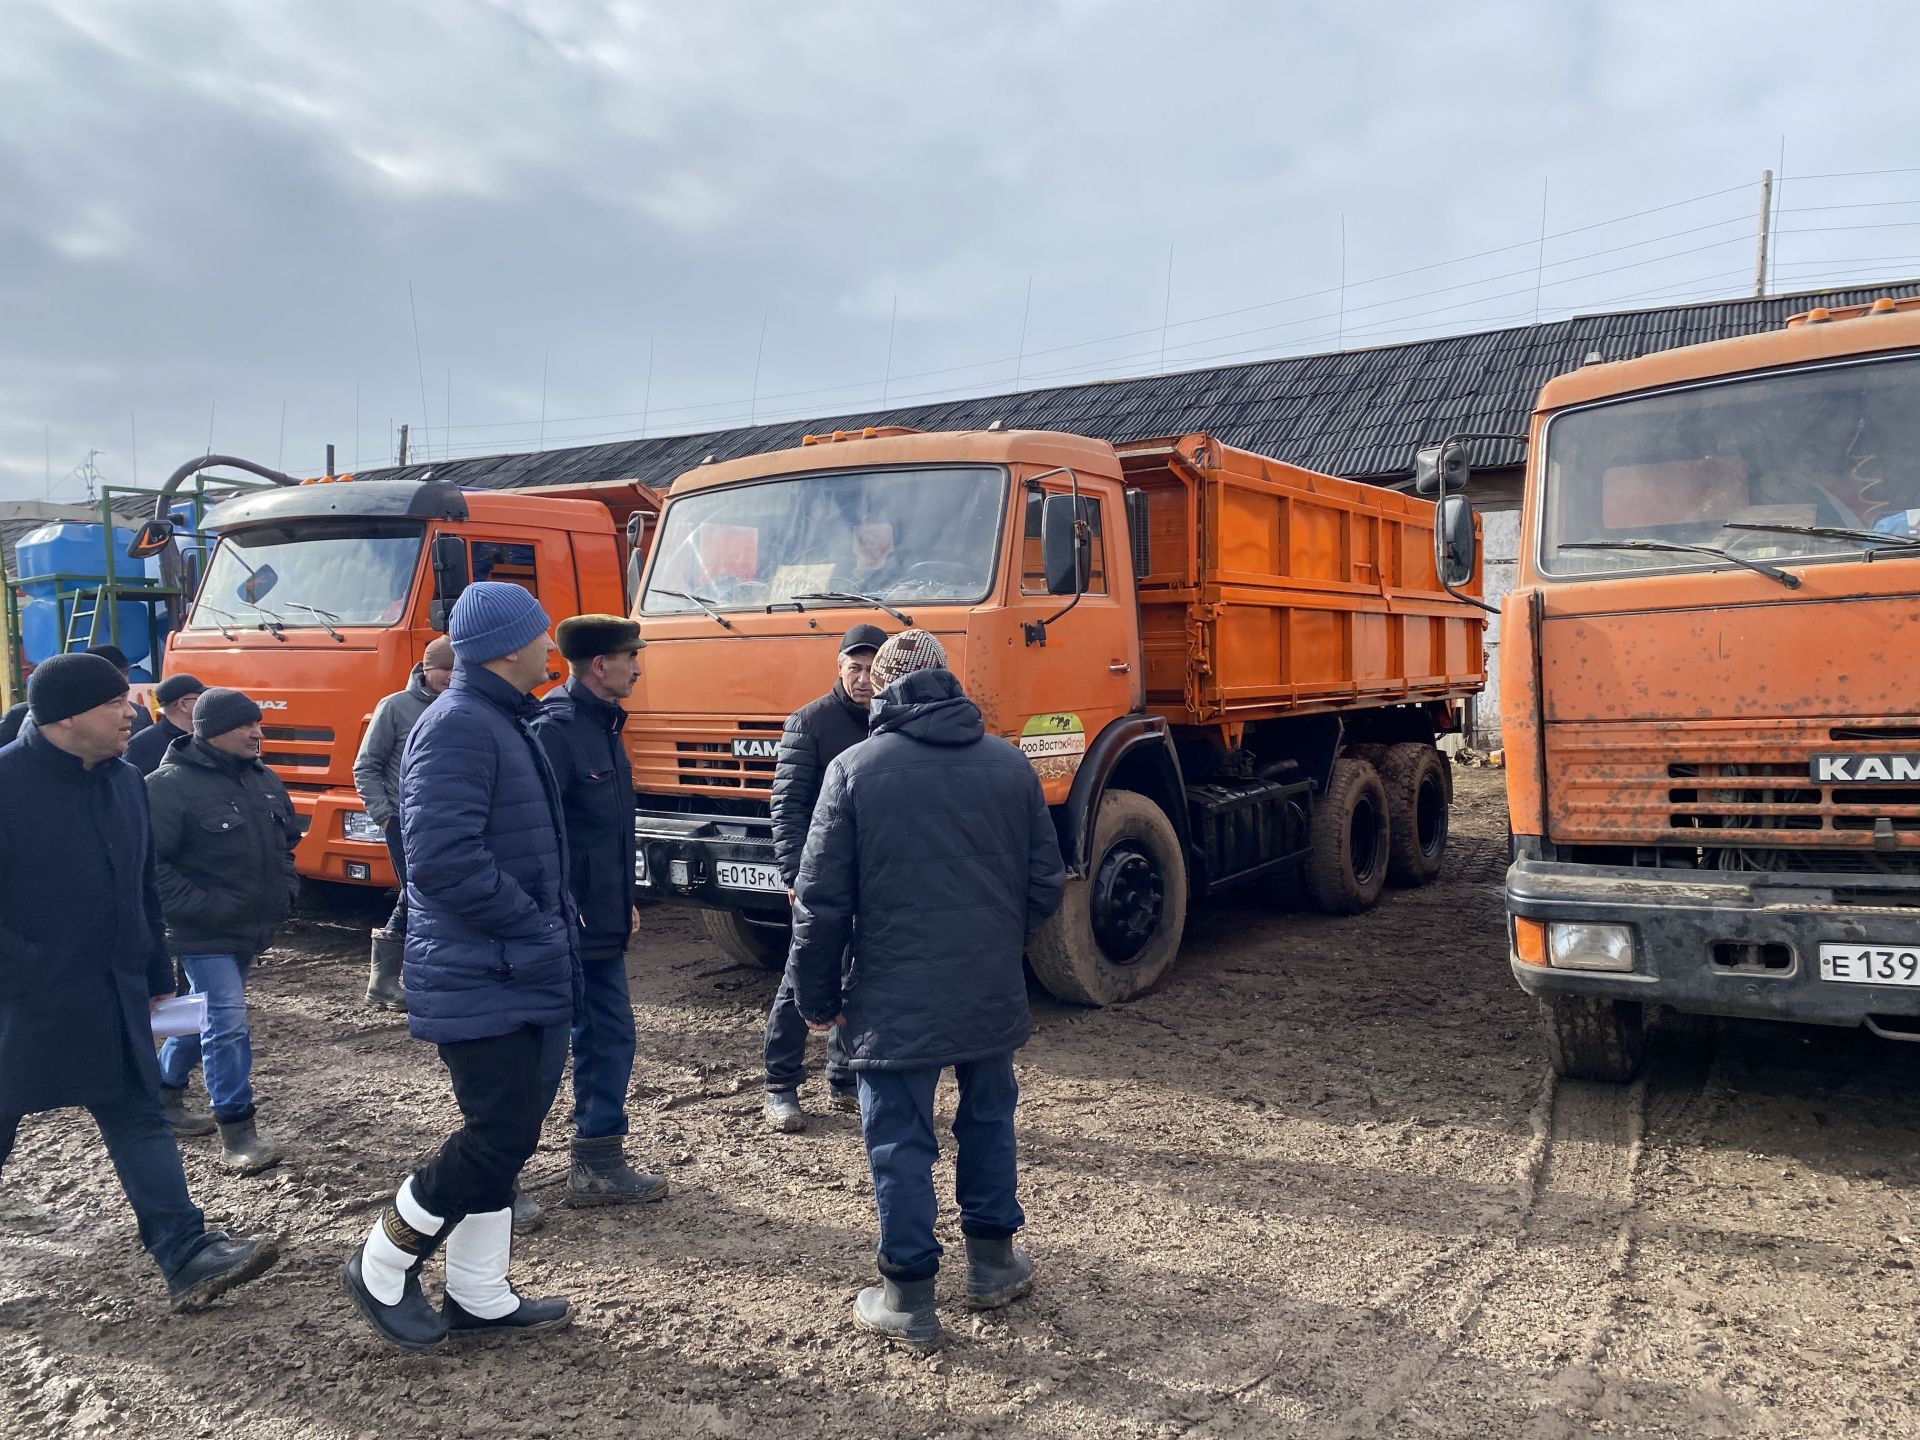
{"type": "Point", "coordinates": [1129, 897]}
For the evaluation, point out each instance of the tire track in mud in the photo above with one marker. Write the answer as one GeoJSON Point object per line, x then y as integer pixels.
{"type": "Point", "coordinates": [1519, 1339]}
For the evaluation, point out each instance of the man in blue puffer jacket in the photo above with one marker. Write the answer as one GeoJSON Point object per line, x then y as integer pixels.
{"type": "Point", "coordinates": [932, 851]}
{"type": "Point", "coordinates": [492, 975]}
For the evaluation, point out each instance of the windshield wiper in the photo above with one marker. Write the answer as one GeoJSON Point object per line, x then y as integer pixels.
{"type": "Point", "coordinates": [1833, 532]}
{"type": "Point", "coordinates": [873, 600]}
{"type": "Point", "coordinates": [217, 624]}
{"type": "Point", "coordinates": [273, 624]}
{"type": "Point", "coordinates": [1759, 567]}
{"type": "Point", "coordinates": [322, 616]}
{"type": "Point", "coordinates": [700, 600]}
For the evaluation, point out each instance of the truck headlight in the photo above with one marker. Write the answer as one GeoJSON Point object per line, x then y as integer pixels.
{"type": "Point", "coordinates": [360, 826]}
{"type": "Point", "coordinates": [1575, 946]}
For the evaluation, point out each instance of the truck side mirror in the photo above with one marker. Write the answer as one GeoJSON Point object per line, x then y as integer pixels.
{"type": "Point", "coordinates": [451, 575]}
{"type": "Point", "coordinates": [1064, 550]}
{"type": "Point", "coordinates": [151, 539]}
{"type": "Point", "coordinates": [1437, 463]}
{"type": "Point", "coordinates": [1458, 555]}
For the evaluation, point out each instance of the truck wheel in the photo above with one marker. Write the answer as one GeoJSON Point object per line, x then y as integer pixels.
{"type": "Point", "coordinates": [1415, 778]}
{"type": "Point", "coordinates": [744, 942]}
{"type": "Point", "coordinates": [1591, 1037]}
{"type": "Point", "coordinates": [1117, 931]}
{"type": "Point", "coordinates": [1347, 866]}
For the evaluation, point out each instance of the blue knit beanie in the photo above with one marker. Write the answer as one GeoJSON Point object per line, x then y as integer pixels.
{"type": "Point", "coordinates": [492, 618]}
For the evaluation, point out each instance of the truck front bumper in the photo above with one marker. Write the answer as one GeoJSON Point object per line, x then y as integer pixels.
{"type": "Point", "coordinates": [324, 852]}
{"type": "Point", "coordinates": [722, 864]}
{"type": "Point", "coordinates": [1735, 943]}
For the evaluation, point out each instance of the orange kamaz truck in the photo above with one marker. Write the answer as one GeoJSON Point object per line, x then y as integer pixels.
{"type": "Point", "coordinates": [1227, 671]}
{"type": "Point", "coordinates": [322, 595]}
{"type": "Point", "coordinates": [1711, 671]}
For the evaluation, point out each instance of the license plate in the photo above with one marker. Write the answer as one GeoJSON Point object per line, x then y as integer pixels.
{"type": "Point", "coordinates": [740, 875]}
{"type": "Point", "coordinates": [1870, 965]}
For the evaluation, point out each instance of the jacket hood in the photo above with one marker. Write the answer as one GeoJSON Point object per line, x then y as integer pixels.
{"type": "Point", "coordinates": [417, 682]}
{"type": "Point", "coordinates": [188, 749]}
{"type": "Point", "coordinates": [928, 706]}
{"type": "Point", "coordinates": [480, 681]}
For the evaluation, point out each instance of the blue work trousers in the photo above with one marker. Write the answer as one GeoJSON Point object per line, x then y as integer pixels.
{"type": "Point", "coordinates": [896, 1112]}
{"type": "Point", "coordinates": [603, 1046]}
{"type": "Point", "coordinates": [224, 1046]}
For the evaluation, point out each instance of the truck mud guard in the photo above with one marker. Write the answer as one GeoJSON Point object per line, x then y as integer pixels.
{"type": "Point", "coordinates": [1142, 737]}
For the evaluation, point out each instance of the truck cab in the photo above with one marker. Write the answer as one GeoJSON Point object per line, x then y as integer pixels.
{"type": "Point", "coordinates": [1713, 734]}
{"type": "Point", "coordinates": [320, 598]}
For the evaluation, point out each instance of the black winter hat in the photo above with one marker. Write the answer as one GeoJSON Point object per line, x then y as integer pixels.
{"type": "Point", "coordinates": [176, 687]}
{"type": "Point", "coordinates": [862, 637]}
{"type": "Point", "coordinates": [113, 655]}
{"type": "Point", "coordinates": [582, 637]}
{"type": "Point", "coordinates": [63, 686]}
{"type": "Point", "coordinates": [221, 710]}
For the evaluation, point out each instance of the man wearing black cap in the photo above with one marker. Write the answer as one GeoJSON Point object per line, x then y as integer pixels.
{"type": "Point", "coordinates": [83, 960]}
{"type": "Point", "coordinates": [177, 695]}
{"type": "Point", "coordinates": [223, 838]}
{"type": "Point", "coordinates": [117, 658]}
{"type": "Point", "coordinates": [580, 726]}
{"type": "Point", "coordinates": [814, 735]}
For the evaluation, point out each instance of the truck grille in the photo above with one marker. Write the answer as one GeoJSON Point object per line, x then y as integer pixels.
{"type": "Point", "coordinates": [296, 747]}
{"type": "Point", "coordinates": [703, 754]}
{"type": "Point", "coordinates": [1734, 784]}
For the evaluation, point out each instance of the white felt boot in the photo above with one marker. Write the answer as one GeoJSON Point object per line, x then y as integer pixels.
{"type": "Point", "coordinates": [390, 1252]}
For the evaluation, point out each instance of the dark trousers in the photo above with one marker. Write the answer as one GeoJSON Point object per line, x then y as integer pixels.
{"type": "Point", "coordinates": [397, 852]}
{"type": "Point", "coordinates": [785, 1050]}
{"type": "Point", "coordinates": [896, 1112]}
{"type": "Point", "coordinates": [497, 1084]}
{"type": "Point", "coordinates": [603, 1046]}
{"type": "Point", "coordinates": [147, 1160]}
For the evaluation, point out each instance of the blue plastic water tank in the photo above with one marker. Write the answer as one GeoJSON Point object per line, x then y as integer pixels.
{"type": "Point", "coordinates": [76, 551]}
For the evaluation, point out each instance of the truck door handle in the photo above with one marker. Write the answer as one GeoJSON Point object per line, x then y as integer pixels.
{"type": "Point", "coordinates": [1119, 667]}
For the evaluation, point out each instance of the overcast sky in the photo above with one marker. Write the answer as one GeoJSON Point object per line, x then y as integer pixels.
{"type": "Point", "coordinates": [220, 208]}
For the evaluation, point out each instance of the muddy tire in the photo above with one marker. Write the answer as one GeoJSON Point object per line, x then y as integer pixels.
{"type": "Point", "coordinates": [1118, 930]}
{"type": "Point", "coordinates": [1591, 1037]}
{"type": "Point", "coordinates": [1347, 867]}
{"type": "Point", "coordinates": [746, 943]}
{"type": "Point", "coordinates": [1415, 777]}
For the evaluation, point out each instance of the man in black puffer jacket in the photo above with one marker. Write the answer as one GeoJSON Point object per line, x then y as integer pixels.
{"type": "Point", "coordinates": [223, 838]}
{"type": "Point", "coordinates": [815, 736]}
{"type": "Point", "coordinates": [932, 851]}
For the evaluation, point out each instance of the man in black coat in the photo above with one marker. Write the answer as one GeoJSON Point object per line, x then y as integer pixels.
{"type": "Point", "coordinates": [580, 727]}
{"type": "Point", "coordinates": [223, 838]}
{"type": "Point", "coordinates": [814, 737]}
{"type": "Point", "coordinates": [83, 961]}
{"type": "Point", "coordinates": [932, 851]}
{"type": "Point", "coordinates": [177, 695]}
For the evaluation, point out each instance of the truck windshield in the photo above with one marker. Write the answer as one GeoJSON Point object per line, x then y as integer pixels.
{"type": "Point", "coordinates": [311, 574]}
{"type": "Point", "coordinates": [1814, 464]}
{"type": "Point", "coordinates": [818, 540]}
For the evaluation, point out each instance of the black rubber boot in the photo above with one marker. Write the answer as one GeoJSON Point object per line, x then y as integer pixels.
{"type": "Point", "coordinates": [182, 1121]}
{"type": "Point", "coordinates": [527, 1215]}
{"type": "Point", "coordinates": [530, 1317]}
{"type": "Point", "coordinates": [385, 990]}
{"type": "Point", "coordinates": [217, 1267]}
{"type": "Point", "coordinates": [243, 1152]}
{"type": "Point", "coordinates": [410, 1323]}
{"type": "Point", "coordinates": [901, 1310]}
{"type": "Point", "coordinates": [997, 1273]}
{"type": "Point", "coordinates": [601, 1175]}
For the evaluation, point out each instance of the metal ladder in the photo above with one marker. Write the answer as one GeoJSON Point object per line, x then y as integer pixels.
{"type": "Point", "coordinates": [86, 612]}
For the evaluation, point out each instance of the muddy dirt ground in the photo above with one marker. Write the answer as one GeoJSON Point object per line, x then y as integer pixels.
{"type": "Point", "coordinates": [1320, 1184]}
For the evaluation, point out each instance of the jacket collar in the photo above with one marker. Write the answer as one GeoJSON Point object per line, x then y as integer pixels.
{"type": "Point", "coordinates": [609, 713]}
{"type": "Point", "coordinates": [59, 762]}
{"type": "Point", "coordinates": [490, 687]}
{"type": "Point", "coordinates": [191, 750]}
{"type": "Point", "coordinates": [852, 706]}
{"type": "Point", "coordinates": [417, 682]}
{"type": "Point", "coordinates": [929, 706]}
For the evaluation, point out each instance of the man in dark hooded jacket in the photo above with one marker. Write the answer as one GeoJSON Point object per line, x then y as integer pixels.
{"type": "Point", "coordinates": [932, 851]}
{"type": "Point", "coordinates": [814, 737]}
{"type": "Point", "coordinates": [83, 960]}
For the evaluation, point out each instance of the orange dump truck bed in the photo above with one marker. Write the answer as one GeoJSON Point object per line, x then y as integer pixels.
{"type": "Point", "coordinates": [1278, 591]}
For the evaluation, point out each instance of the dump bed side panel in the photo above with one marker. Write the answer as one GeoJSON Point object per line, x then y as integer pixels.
{"type": "Point", "coordinates": [1274, 590]}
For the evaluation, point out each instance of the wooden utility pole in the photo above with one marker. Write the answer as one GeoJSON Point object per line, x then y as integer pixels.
{"type": "Point", "coordinates": [1766, 220]}
{"type": "Point", "coordinates": [403, 444]}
